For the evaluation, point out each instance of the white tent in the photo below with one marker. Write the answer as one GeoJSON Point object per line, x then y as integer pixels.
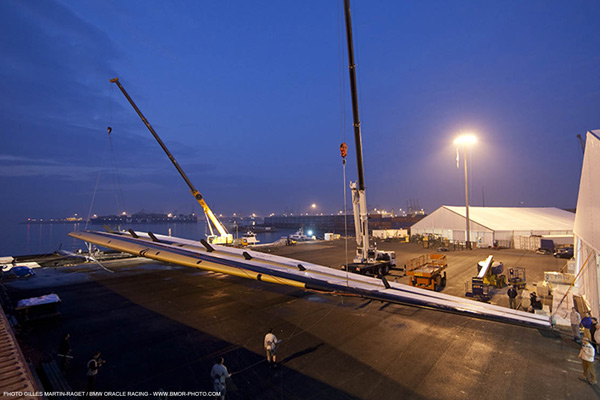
{"type": "Point", "coordinates": [587, 224]}
{"type": "Point", "coordinates": [502, 224]}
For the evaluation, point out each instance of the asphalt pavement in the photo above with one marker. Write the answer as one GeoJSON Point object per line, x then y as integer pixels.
{"type": "Point", "coordinates": [161, 327]}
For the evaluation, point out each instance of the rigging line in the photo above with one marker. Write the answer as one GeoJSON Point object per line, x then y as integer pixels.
{"type": "Point", "coordinates": [318, 321]}
{"type": "Point", "coordinates": [114, 176]}
{"type": "Point", "coordinates": [109, 129]}
{"type": "Point", "coordinates": [121, 193]}
{"type": "Point", "coordinates": [117, 182]}
{"type": "Point", "coordinates": [250, 366]}
{"type": "Point", "coordinates": [117, 174]}
{"type": "Point", "coordinates": [342, 93]}
{"type": "Point", "coordinates": [95, 188]}
{"type": "Point", "coordinates": [345, 222]}
{"type": "Point", "coordinates": [302, 319]}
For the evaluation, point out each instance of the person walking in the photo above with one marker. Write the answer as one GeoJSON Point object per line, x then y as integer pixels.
{"type": "Point", "coordinates": [587, 355]}
{"type": "Point", "coordinates": [586, 322]}
{"type": "Point", "coordinates": [219, 375]}
{"type": "Point", "coordinates": [92, 370]}
{"type": "Point", "coordinates": [512, 297]}
{"type": "Point", "coordinates": [575, 321]}
{"type": "Point", "coordinates": [270, 344]}
{"type": "Point", "coordinates": [64, 352]}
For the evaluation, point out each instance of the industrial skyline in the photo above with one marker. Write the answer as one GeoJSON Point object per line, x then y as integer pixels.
{"type": "Point", "coordinates": [253, 101]}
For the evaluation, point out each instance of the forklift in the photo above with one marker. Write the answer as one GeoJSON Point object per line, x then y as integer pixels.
{"type": "Point", "coordinates": [489, 276]}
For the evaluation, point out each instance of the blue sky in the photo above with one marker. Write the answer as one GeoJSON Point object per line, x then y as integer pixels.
{"type": "Point", "coordinates": [253, 100]}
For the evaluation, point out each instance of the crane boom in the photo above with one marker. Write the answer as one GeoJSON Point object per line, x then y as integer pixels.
{"type": "Point", "coordinates": [224, 237]}
{"type": "Point", "coordinates": [368, 259]}
{"type": "Point", "coordinates": [359, 201]}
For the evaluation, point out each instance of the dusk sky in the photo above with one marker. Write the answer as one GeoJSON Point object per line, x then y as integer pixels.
{"type": "Point", "coordinates": [253, 100]}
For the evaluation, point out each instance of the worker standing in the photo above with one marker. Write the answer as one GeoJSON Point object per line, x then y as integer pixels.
{"type": "Point", "coordinates": [586, 322]}
{"type": "Point", "coordinates": [512, 297]}
{"type": "Point", "coordinates": [64, 352]}
{"type": "Point", "coordinates": [219, 375]}
{"type": "Point", "coordinates": [575, 321]}
{"type": "Point", "coordinates": [535, 302]}
{"type": "Point", "coordinates": [93, 365]}
{"type": "Point", "coordinates": [593, 333]}
{"type": "Point", "coordinates": [587, 355]}
{"type": "Point", "coordinates": [597, 336]}
{"type": "Point", "coordinates": [270, 344]}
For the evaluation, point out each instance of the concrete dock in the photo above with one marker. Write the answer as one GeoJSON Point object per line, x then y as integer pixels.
{"type": "Point", "coordinates": [161, 327]}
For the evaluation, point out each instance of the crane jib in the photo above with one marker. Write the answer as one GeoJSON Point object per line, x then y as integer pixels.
{"type": "Point", "coordinates": [225, 237]}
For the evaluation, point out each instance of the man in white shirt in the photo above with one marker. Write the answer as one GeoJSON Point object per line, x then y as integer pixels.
{"type": "Point", "coordinates": [92, 370]}
{"type": "Point", "coordinates": [219, 375]}
{"type": "Point", "coordinates": [587, 354]}
{"type": "Point", "coordinates": [575, 321]}
{"type": "Point", "coordinates": [270, 344]}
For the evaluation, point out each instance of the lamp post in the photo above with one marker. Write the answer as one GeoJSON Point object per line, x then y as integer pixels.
{"type": "Point", "coordinates": [464, 141]}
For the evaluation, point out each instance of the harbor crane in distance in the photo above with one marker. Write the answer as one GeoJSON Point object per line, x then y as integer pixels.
{"type": "Point", "coordinates": [223, 237]}
{"type": "Point", "coordinates": [368, 259]}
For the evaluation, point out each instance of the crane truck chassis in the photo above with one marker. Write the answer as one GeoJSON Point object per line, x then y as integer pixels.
{"type": "Point", "coordinates": [379, 263]}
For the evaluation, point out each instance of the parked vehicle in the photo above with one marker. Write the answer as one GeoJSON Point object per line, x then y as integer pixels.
{"type": "Point", "coordinates": [566, 252]}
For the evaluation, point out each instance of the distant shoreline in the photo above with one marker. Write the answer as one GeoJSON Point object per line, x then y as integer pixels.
{"type": "Point", "coordinates": [50, 221]}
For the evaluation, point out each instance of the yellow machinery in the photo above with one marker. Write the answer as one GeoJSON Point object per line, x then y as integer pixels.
{"type": "Point", "coordinates": [491, 272]}
{"type": "Point", "coordinates": [223, 236]}
{"type": "Point", "coordinates": [489, 275]}
{"type": "Point", "coordinates": [426, 271]}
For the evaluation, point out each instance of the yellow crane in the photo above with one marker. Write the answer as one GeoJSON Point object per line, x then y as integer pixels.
{"type": "Point", "coordinates": [223, 237]}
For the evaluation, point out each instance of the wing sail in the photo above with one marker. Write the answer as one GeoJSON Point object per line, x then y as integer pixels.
{"type": "Point", "coordinates": [285, 271]}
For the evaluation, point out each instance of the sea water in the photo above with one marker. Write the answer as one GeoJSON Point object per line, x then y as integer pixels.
{"type": "Point", "coordinates": [26, 239]}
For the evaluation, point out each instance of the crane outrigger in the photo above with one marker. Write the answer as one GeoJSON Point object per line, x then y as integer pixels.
{"type": "Point", "coordinates": [223, 236]}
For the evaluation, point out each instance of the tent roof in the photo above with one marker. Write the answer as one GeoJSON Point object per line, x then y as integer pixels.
{"type": "Point", "coordinates": [587, 222]}
{"type": "Point", "coordinates": [519, 218]}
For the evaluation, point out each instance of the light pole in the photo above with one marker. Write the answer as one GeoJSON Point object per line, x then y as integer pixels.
{"type": "Point", "coordinates": [464, 141]}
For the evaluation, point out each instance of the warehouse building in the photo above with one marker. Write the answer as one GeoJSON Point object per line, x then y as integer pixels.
{"type": "Point", "coordinates": [513, 227]}
{"type": "Point", "coordinates": [339, 223]}
{"type": "Point", "coordinates": [587, 225]}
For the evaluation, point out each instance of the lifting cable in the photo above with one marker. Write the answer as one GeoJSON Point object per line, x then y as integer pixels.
{"type": "Point", "coordinates": [96, 188]}
{"type": "Point", "coordinates": [118, 187]}
{"type": "Point", "coordinates": [343, 146]}
{"type": "Point", "coordinates": [116, 174]}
